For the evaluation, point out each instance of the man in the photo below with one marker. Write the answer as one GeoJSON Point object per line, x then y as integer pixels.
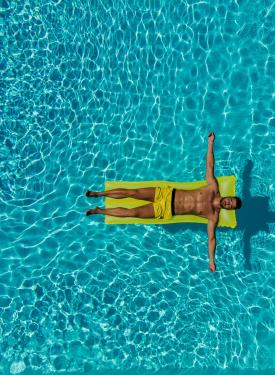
{"type": "Point", "coordinates": [166, 202]}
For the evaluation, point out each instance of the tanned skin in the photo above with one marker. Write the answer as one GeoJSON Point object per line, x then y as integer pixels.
{"type": "Point", "coordinates": [205, 202]}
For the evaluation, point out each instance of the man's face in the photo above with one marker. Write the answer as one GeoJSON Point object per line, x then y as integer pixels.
{"type": "Point", "coordinates": [229, 203]}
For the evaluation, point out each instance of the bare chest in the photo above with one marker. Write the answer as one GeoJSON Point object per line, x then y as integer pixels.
{"type": "Point", "coordinates": [195, 202]}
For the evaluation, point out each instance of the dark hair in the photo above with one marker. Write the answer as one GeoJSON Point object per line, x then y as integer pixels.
{"type": "Point", "coordinates": [238, 203]}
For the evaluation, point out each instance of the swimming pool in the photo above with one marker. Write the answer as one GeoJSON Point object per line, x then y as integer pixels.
{"type": "Point", "coordinates": [129, 90]}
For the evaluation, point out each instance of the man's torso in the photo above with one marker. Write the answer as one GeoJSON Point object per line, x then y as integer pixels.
{"type": "Point", "coordinates": [197, 202]}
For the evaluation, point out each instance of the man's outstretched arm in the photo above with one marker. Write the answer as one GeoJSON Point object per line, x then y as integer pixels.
{"type": "Point", "coordinates": [210, 159]}
{"type": "Point", "coordinates": [211, 228]}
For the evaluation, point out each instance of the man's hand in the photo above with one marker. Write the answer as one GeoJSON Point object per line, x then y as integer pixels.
{"type": "Point", "coordinates": [211, 137]}
{"type": "Point", "coordinates": [210, 160]}
{"type": "Point", "coordinates": [212, 267]}
{"type": "Point", "coordinates": [211, 228]}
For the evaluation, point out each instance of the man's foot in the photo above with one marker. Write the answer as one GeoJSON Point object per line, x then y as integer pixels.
{"type": "Point", "coordinates": [92, 194]}
{"type": "Point", "coordinates": [92, 211]}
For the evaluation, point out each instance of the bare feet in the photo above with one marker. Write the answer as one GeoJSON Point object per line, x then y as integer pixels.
{"type": "Point", "coordinates": [212, 267]}
{"type": "Point", "coordinates": [92, 194]}
{"type": "Point", "coordinates": [92, 211]}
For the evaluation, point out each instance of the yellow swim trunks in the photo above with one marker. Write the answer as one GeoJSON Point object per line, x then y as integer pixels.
{"type": "Point", "coordinates": [162, 202]}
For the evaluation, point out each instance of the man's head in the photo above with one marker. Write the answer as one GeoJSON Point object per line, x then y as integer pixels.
{"type": "Point", "coordinates": [230, 203]}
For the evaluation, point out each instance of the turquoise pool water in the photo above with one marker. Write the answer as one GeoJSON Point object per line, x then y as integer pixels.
{"type": "Point", "coordinates": [129, 90]}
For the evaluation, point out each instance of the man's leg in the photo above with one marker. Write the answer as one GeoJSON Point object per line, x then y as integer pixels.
{"type": "Point", "coordinates": [146, 211]}
{"type": "Point", "coordinates": [147, 194]}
